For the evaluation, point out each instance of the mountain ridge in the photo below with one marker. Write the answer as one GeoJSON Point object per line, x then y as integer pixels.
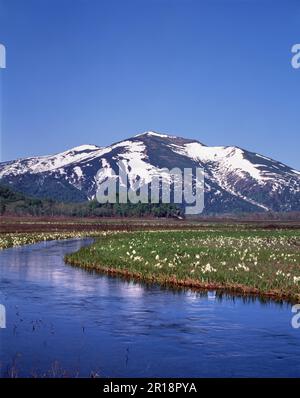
{"type": "Point", "coordinates": [236, 180]}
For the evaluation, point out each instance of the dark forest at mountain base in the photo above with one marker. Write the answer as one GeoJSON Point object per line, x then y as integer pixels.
{"type": "Point", "coordinates": [16, 203]}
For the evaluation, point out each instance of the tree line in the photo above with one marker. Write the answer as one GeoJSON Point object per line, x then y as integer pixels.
{"type": "Point", "coordinates": [16, 203]}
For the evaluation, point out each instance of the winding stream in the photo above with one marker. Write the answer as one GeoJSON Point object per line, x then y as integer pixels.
{"type": "Point", "coordinates": [63, 320]}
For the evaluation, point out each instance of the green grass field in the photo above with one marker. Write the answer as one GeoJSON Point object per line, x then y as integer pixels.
{"type": "Point", "coordinates": [252, 262]}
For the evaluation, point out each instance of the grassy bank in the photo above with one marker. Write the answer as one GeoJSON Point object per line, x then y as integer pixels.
{"type": "Point", "coordinates": [17, 239]}
{"type": "Point", "coordinates": [252, 262]}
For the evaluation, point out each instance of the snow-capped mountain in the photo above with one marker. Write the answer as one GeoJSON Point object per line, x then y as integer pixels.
{"type": "Point", "coordinates": [235, 179]}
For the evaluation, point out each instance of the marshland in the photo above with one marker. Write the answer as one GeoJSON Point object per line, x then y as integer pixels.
{"type": "Point", "coordinates": [149, 299]}
{"type": "Point", "coordinates": [253, 262]}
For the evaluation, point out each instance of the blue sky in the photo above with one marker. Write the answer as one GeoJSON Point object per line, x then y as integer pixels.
{"type": "Point", "coordinates": [95, 71]}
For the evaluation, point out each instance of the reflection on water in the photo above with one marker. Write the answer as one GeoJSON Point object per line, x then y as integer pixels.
{"type": "Point", "coordinates": [63, 317]}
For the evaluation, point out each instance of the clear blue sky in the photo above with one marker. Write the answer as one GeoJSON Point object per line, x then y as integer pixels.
{"type": "Point", "coordinates": [98, 71]}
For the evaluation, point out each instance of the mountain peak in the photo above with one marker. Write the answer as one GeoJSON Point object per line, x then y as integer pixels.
{"type": "Point", "coordinates": [155, 134]}
{"type": "Point", "coordinates": [167, 138]}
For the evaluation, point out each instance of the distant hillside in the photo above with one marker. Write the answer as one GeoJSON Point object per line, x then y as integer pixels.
{"type": "Point", "coordinates": [16, 203]}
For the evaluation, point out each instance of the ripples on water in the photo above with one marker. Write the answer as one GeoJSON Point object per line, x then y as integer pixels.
{"type": "Point", "coordinates": [64, 319]}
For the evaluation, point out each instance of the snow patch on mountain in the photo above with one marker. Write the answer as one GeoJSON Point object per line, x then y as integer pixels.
{"type": "Point", "coordinates": [82, 148]}
{"type": "Point", "coordinates": [78, 172]}
{"type": "Point", "coordinates": [229, 158]}
{"type": "Point", "coordinates": [137, 163]}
